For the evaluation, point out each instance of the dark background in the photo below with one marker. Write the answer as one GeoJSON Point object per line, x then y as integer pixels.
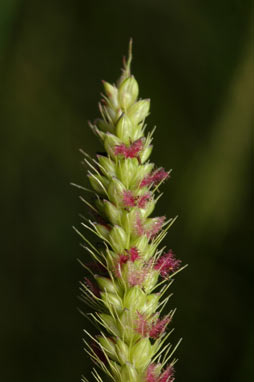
{"type": "Point", "coordinates": [193, 59]}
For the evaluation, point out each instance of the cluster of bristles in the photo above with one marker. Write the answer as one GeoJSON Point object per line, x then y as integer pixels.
{"type": "Point", "coordinates": [128, 268]}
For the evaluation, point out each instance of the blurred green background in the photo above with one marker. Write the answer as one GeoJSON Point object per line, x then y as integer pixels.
{"type": "Point", "coordinates": [193, 59]}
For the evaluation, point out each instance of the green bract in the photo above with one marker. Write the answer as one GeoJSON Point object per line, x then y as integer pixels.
{"type": "Point", "coordinates": [128, 277]}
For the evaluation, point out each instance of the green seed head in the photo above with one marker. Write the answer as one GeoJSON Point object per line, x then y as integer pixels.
{"type": "Point", "coordinates": [124, 129]}
{"type": "Point", "coordinates": [122, 351]}
{"type": "Point", "coordinates": [128, 269]}
{"type": "Point", "coordinates": [108, 346]}
{"type": "Point", "coordinates": [141, 353]}
{"type": "Point", "coordinates": [110, 142]}
{"type": "Point", "coordinates": [113, 213]}
{"type": "Point", "coordinates": [139, 111]}
{"type": "Point", "coordinates": [116, 190]}
{"type": "Point", "coordinates": [107, 165]}
{"type": "Point", "coordinates": [128, 92]}
{"type": "Point", "coordinates": [107, 285]}
{"type": "Point", "coordinates": [118, 239]}
{"type": "Point", "coordinates": [112, 94]}
{"type": "Point", "coordinates": [129, 373]}
{"type": "Point", "coordinates": [134, 299]}
{"type": "Point", "coordinates": [112, 301]}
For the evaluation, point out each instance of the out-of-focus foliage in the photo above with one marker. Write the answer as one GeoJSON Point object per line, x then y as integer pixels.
{"type": "Point", "coordinates": [194, 60]}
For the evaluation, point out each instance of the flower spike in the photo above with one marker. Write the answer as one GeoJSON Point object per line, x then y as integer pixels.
{"type": "Point", "coordinates": [128, 275]}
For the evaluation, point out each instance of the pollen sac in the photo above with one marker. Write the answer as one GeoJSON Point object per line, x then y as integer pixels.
{"type": "Point", "coordinates": [154, 225]}
{"type": "Point", "coordinates": [139, 111]}
{"type": "Point", "coordinates": [128, 92]}
{"type": "Point", "coordinates": [141, 353]}
{"type": "Point", "coordinates": [153, 373]}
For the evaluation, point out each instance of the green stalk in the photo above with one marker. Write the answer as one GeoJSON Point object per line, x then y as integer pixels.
{"type": "Point", "coordinates": [129, 276]}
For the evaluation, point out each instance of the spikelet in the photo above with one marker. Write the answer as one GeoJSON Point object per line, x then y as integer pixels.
{"type": "Point", "coordinates": [128, 275]}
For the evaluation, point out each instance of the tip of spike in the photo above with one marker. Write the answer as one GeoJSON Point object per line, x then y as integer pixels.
{"type": "Point", "coordinates": [126, 71]}
{"type": "Point", "coordinates": [130, 53]}
{"type": "Point", "coordinates": [127, 63]}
